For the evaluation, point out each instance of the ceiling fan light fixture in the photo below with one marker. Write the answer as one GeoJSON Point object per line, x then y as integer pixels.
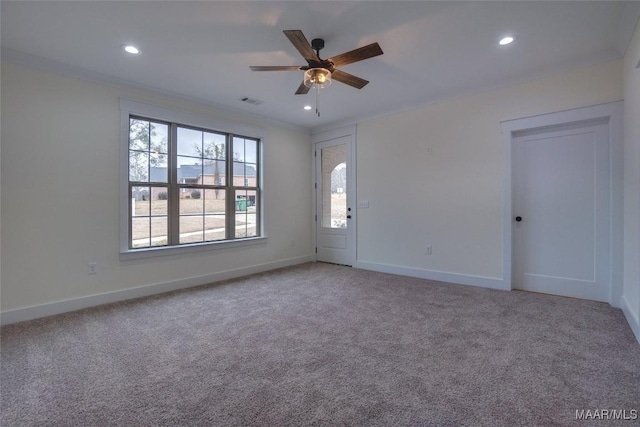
{"type": "Point", "coordinates": [320, 77]}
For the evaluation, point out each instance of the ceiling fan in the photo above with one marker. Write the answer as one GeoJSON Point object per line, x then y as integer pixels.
{"type": "Point", "coordinates": [320, 71]}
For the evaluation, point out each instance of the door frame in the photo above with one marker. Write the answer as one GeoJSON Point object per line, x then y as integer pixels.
{"type": "Point", "coordinates": [612, 112]}
{"type": "Point", "coordinates": [350, 132]}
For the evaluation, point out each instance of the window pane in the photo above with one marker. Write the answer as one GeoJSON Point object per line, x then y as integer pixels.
{"type": "Point", "coordinates": [189, 142]}
{"type": "Point", "coordinates": [250, 196]}
{"type": "Point", "coordinates": [213, 146]}
{"type": "Point", "coordinates": [140, 201]}
{"type": "Point", "coordinates": [138, 166]}
{"type": "Point", "coordinates": [158, 170]}
{"type": "Point", "coordinates": [246, 226]}
{"type": "Point", "coordinates": [189, 170]}
{"type": "Point", "coordinates": [191, 229]}
{"type": "Point", "coordinates": [334, 187]}
{"type": "Point", "coordinates": [138, 135]}
{"type": "Point", "coordinates": [214, 209]}
{"type": "Point", "coordinates": [250, 175]}
{"type": "Point", "coordinates": [250, 151]}
{"type": "Point", "coordinates": [246, 213]}
{"type": "Point", "coordinates": [214, 227]}
{"type": "Point", "coordinates": [159, 138]}
{"type": "Point", "coordinates": [251, 225]}
{"type": "Point", "coordinates": [140, 232]}
{"type": "Point", "coordinates": [214, 172]}
{"type": "Point", "coordinates": [238, 149]}
{"type": "Point", "coordinates": [191, 215]}
{"type": "Point", "coordinates": [191, 201]}
{"type": "Point", "coordinates": [238, 174]}
{"type": "Point", "coordinates": [339, 196]}
{"type": "Point", "coordinates": [159, 231]}
{"type": "Point", "coordinates": [159, 200]}
{"type": "Point", "coordinates": [215, 201]}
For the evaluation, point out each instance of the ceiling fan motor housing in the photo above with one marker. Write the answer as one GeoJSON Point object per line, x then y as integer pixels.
{"type": "Point", "coordinates": [317, 44]}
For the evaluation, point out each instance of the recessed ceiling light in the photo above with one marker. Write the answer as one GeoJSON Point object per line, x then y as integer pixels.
{"type": "Point", "coordinates": [129, 48]}
{"type": "Point", "coordinates": [506, 40]}
{"type": "Point", "coordinates": [307, 107]}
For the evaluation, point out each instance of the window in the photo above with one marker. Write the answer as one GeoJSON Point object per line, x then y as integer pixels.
{"type": "Point", "coordinates": [148, 182]}
{"type": "Point", "coordinates": [189, 185]}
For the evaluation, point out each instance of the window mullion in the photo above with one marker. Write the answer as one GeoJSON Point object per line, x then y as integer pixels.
{"type": "Point", "coordinates": [174, 191]}
{"type": "Point", "coordinates": [258, 206]}
{"type": "Point", "coordinates": [130, 215]}
{"type": "Point", "coordinates": [231, 194]}
{"type": "Point", "coordinates": [256, 186]}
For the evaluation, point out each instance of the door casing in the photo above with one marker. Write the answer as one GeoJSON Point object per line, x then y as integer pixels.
{"type": "Point", "coordinates": [573, 259]}
{"type": "Point", "coordinates": [350, 133]}
{"type": "Point", "coordinates": [612, 114]}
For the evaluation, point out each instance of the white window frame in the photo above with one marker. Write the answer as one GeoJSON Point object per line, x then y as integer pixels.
{"type": "Point", "coordinates": [129, 108]}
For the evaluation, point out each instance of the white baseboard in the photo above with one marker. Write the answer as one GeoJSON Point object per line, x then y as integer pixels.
{"type": "Point", "coordinates": [632, 318]}
{"type": "Point", "coordinates": [58, 307]}
{"type": "Point", "coordinates": [461, 279]}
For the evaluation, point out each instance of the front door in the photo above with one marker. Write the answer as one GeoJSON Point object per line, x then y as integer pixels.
{"type": "Point", "coordinates": [334, 201]}
{"type": "Point", "coordinates": [561, 219]}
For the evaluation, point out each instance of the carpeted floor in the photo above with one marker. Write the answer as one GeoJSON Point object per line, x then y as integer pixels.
{"type": "Point", "coordinates": [319, 344]}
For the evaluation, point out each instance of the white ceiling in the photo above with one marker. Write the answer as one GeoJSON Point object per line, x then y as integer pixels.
{"type": "Point", "coordinates": [203, 50]}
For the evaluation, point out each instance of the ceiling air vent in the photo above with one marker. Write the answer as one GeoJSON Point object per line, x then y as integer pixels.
{"type": "Point", "coordinates": [250, 100]}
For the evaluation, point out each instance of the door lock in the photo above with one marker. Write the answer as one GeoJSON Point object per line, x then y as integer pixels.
{"type": "Point", "coordinates": [518, 218]}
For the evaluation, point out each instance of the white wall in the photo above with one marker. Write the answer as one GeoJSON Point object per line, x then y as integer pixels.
{"type": "Point", "coordinates": [60, 142]}
{"type": "Point", "coordinates": [59, 176]}
{"type": "Point", "coordinates": [631, 287]}
{"type": "Point", "coordinates": [452, 198]}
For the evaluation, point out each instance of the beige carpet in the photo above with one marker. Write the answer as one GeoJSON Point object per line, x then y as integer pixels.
{"type": "Point", "coordinates": [319, 344]}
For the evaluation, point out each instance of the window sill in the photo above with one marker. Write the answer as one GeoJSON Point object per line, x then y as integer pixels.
{"type": "Point", "coordinates": [190, 248]}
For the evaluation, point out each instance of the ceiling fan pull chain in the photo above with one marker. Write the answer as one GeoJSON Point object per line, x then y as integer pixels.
{"type": "Point", "coordinates": [317, 100]}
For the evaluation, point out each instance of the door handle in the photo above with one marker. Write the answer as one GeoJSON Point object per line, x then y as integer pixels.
{"type": "Point", "coordinates": [348, 216]}
{"type": "Point", "coordinates": [518, 218]}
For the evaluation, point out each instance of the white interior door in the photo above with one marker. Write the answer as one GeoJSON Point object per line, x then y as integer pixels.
{"type": "Point", "coordinates": [561, 221]}
{"type": "Point", "coordinates": [334, 201]}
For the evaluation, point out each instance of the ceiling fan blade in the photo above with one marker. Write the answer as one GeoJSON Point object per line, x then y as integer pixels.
{"type": "Point", "coordinates": [276, 67]}
{"type": "Point", "coordinates": [297, 38]}
{"type": "Point", "coordinates": [302, 89]}
{"type": "Point", "coordinates": [359, 54]}
{"type": "Point", "coordinates": [349, 79]}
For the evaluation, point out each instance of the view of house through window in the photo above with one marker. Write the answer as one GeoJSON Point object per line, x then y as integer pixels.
{"type": "Point", "coordinates": [190, 185]}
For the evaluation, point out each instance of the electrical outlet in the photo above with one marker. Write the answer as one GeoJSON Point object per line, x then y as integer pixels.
{"type": "Point", "coordinates": [93, 267]}
{"type": "Point", "coordinates": [428, 250]}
